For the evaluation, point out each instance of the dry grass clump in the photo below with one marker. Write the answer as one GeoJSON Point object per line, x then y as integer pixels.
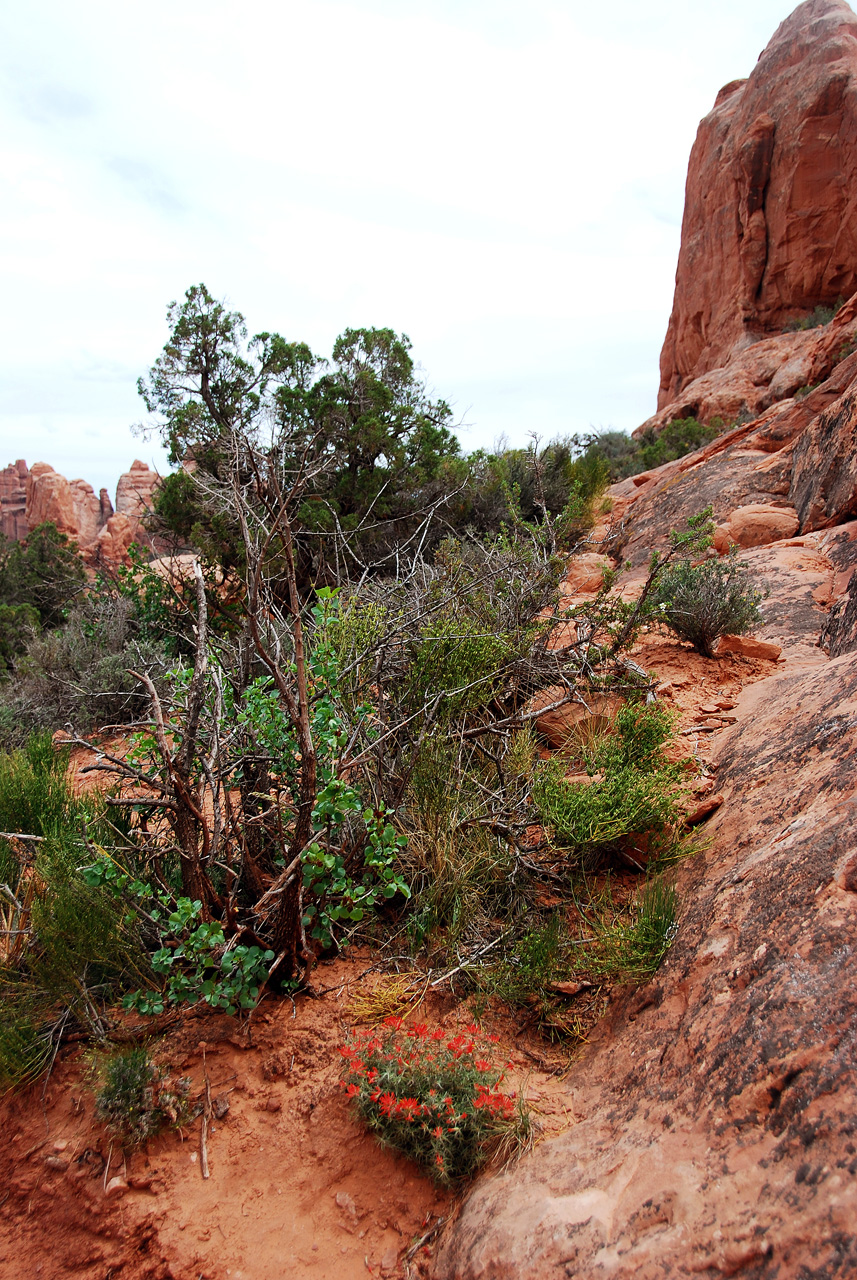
{"type": "Point", "coordinates": [396, 996]}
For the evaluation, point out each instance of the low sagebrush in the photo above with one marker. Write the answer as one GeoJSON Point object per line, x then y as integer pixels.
{"type": "Point", "coordinates": [702, 602]}
{"type": "Point", "coordinates": [136, 1098]}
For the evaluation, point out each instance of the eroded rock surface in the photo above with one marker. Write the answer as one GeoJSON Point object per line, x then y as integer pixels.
{"type": "Point", "coordinates": [135, 491]}
{"type": "Point", "coordinates": [13, 500]}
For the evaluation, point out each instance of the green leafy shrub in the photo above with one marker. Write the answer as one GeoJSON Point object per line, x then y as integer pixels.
{"type": "Point", "coordinates": [677, 439]}
{"type": "Point", "coordinates": [702, 602]}
{"type": "Point", "coordinates": [78, 672]}
{"type": "Point", "coordinates": [815, 319]}
{"type": "Point", "coordinates": [66, 951]}
{"type": "Point", "coordinates": [44, 571]}
{"type": "Point", "coordinates": [623, 455]}
{"type": "Point", "coordinates": [36, 795]}
{"type": "Point", "coordinates": [18, 624]}
{"type": "Point", "coordinates": [434, 1098]}
{"type": "Point", "coordinates": [137, 1098]}
{"type": "Point", "coordinates": [193, 957]}
{"type": "Point", "coordinates": [592, 819]}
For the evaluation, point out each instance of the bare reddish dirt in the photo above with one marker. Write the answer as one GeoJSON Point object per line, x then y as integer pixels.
{"type": "Point", "coordinates": [296, 1187]}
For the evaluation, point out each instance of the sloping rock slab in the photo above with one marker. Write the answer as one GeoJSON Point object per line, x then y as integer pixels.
{"type": "Point", "coordinates": [735, 478]}
{"type": "Point", "coordinates": [716, 1113]}
{"type": "Point", "coordinates": [798, 580]}
{"type": "Point", "coordinates": [824, 477]}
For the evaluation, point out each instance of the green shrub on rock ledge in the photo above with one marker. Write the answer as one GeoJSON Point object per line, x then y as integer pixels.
{"type": "Point", "coordinates": [702, 602]}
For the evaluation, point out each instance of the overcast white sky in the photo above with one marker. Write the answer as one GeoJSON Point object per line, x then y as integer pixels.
{"type": "Point", "coordinates": [503, 182]}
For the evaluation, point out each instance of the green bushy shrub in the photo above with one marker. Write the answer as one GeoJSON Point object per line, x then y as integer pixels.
{"type": "Point", "coordinates": [537, 959]}
{"type": "Point", "coordinates": [634, 789]}
{"type": "Point", "coordinates": [623, 455]}
{"type": "Point", "coordinates": [67, 950]}
{"type": "Point", "coordinates": [631, 944]}
{"type": "Point", "coordinates": [816, 319]}
{"type": "Point", "coordinates": [702, 602]}
{"type": "Point", "coordinates": [678, 438]}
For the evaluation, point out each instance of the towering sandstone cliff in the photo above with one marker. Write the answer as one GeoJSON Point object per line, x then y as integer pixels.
{"type": "Point", "coordinates": [770, 221]}
{"type": "Point", "coordinates": [30, 496]}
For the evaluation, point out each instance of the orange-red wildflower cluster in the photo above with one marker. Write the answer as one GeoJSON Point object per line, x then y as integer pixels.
{"type": "Point", "coordinates": [434, 1097]}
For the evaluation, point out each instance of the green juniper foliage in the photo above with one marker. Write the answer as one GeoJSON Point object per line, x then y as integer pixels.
{"type": "Point", "coordinates": [622, 455]}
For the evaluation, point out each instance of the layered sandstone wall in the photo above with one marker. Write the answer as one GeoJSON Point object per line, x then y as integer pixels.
{"type": "Point", "coordinates": [770, 220]}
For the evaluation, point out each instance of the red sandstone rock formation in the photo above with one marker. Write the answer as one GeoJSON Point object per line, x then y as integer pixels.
{"type": "Point", "coordinates": [13, 500]}
{"type": "Point", "coordinates": [762, 375]}
{"type": "Point", "coordinates": [34, 496]}
{"type": "Point", "coordinates": [50, 498]}
{"type": "Point", "coordinates": [135, 491]}
{"type": "Point", "coordinates": [770, 222]}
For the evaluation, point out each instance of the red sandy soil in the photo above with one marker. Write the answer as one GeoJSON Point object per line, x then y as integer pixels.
{"type": "Point", "coordinates": [297, 1186]}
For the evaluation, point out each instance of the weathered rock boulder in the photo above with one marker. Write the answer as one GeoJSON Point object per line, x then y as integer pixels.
{"type": "Point", "coordinates": [824, 469]}
{"type": "Point", "coordinates": [755, 525]}
{"type": "Point", "coordinates": [585, 573]}
{"type": "Point", "coordinates": [114, 540]}
{"type": "Point", "coordinates": [87, 511]}
{"type": "Point", "coordinates": [573, 722]}
{"type": "Point", "coordinates": [770, 226]}
{"type": "Point", "coordinates": [135, 491]}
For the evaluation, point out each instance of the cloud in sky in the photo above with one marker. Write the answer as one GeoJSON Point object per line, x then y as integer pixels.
{"type": "Point", "coordinates": [502, 182]}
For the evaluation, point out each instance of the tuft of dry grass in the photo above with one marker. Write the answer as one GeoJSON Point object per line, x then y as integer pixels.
{"type": "Point", "coordinates": [397, 996]}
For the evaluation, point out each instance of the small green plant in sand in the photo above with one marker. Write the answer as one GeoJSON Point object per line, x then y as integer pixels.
{"type": "Point", "coordinates": [538, 959]}
{"type": "Point", "coordinates": [135, 1097]}
{"type": "Point", "coordinates": [434, 1097]}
